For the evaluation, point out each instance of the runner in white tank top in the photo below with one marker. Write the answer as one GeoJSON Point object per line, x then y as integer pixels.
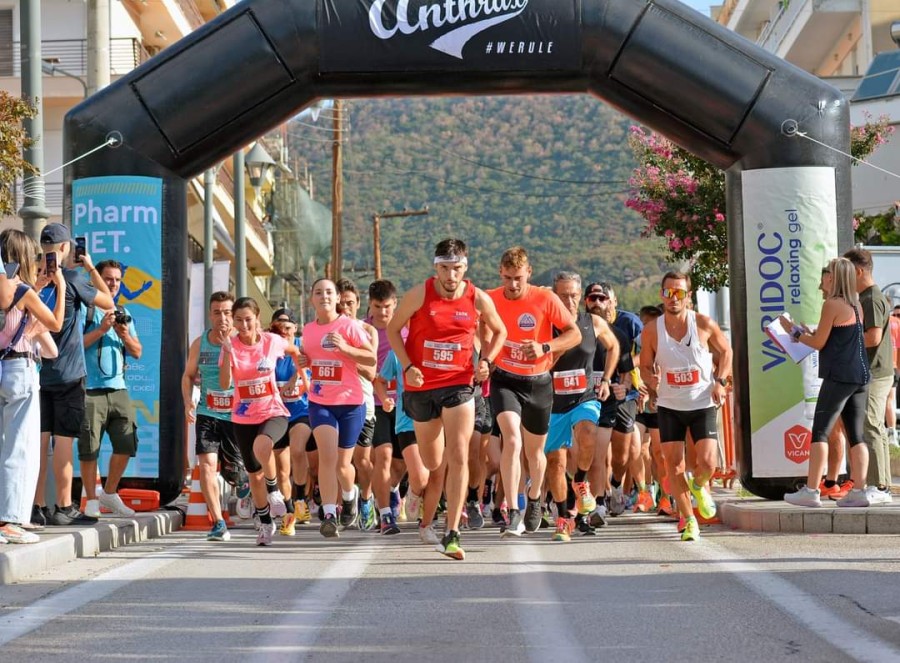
{"type": "Point", "coordinates": [686, 368]}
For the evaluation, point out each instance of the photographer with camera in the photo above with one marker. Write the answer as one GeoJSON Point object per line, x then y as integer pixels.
{"type": "Point", "coordinates": [109, 340]}
{"type": "Point", "coordinates": [62, 379]}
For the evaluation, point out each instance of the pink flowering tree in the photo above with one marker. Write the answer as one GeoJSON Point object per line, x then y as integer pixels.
{"type": "Point", "coordinates": [682, 199]}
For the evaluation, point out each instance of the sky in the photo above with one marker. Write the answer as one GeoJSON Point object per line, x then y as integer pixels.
{"type": "Point", "coordinates": [702, 5]}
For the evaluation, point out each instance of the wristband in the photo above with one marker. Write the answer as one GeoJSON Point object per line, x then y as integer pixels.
{"type": "Point", "coordinates": [408, 366]}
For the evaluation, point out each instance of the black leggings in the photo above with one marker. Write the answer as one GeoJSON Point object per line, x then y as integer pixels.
{"type": "Point", "coordinates": [840, 399]}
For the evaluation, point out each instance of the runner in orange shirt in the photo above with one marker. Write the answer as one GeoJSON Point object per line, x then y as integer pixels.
{"type": "Point", "coordinates": [521, 386]}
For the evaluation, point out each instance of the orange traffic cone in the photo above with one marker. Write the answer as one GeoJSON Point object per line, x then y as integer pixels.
{"type": "Point", "coordinates": [198, 518]}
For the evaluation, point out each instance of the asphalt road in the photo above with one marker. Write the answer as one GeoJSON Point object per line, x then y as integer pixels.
{"type": "Point", "coordinates": [634, 592]}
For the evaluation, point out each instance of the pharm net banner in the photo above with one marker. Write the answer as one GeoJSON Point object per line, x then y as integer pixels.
{"type": "Point", "coordinates": [790, 234]}
{"type": "Point", "coordinates": [122, 220]}
{"type": "Point", "coordinates": [447, 35]}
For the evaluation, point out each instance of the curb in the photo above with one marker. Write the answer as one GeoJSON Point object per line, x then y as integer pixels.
{"type": "Point", "coordinates": [758, 515]}
{"type": "Point", "coordinates": [59, 545]}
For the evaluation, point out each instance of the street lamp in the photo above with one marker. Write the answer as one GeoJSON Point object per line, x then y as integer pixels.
{"type": "Point", "coordinates": [258, 163]}
{"type": "Point", "coordinates": [52, 69]}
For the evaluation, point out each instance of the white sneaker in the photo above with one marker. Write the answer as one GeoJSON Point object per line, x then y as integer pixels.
{"type": "Point", "coordinates": [276, 504]}
{"type": "Point", "coordinates": [429, 536]}
{"type": "Point", "coordinates": [877, 496]}
{"type": "Point", "coordinates": [244, 508]}
{"type": "Point", "coordinates": [266, 532]}
{"type": "Point", "coordinates": [806, 496]}
{"type": "Point", "coordinates": [92, 508]}
{"type": "Point", "coordinates": [856, 497]}
{"type": "Point", "coordinates": [413, 506]}
{"type": "Point", "coordinates": [115, 504]}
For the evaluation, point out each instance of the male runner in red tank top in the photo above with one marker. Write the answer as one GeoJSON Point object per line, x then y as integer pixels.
{"type": "Point", "coordinates": [443, 315]}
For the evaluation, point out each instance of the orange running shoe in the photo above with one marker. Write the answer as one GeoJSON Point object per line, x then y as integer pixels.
{"type": "Point", "coordinates": [825, 491]}
{"type": "Point", "coordinates": [844, 488]}
{"type": "Point", "coordinates": [564, 529]}
{"type": "Point", "coordinates": [665, 506]}
{"type": "Point", "coordinates": [644, 502]}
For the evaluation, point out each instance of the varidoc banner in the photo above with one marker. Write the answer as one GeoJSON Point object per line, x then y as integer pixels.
{"type": "Point", "coordinates": [790, 233]}
{"type": "Point", "coordinates": [122, 220]}
{"type": "Point", "coordinates": [485, 35]}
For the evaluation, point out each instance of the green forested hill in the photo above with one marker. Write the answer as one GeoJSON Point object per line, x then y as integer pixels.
{"type": "Point", "coordinates": [452, 153]}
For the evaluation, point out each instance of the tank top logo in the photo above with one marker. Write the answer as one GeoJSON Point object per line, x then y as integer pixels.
{"type": "Point", "coordinates": [526, 322]}
{"type": "Point", "coordinates": [328, 344]}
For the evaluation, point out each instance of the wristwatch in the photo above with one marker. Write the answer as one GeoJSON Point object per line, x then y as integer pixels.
{"type": "Point", "coordinates": [722, 381]}
{"type": "Point", "coordinates": [545, 348]}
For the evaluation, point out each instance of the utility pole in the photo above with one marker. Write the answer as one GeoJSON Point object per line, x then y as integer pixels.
{"type": "Point", "coordinates": [97, 45]}
{"type": "Point", "coordinates": [240, 230]}
{"type": "Point", "coordinates": [34, 212]}
{"type": "Point", "coordinates": [376, 231]}
{"type": "Point", "coordinates": [337, 191]}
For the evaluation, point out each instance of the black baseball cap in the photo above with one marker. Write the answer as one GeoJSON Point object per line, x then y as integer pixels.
{"type": "Point", "coordinates": [284, 315]}
{"type": "Point", "coordinates": [55, 233]}
{"type": "Point", "coordinates": [596, 288]}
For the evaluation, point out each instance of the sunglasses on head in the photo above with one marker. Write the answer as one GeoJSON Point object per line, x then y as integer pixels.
{"type": "Point", "coordinates": [677, 293]}
{"type": "Point", "coordinates": [599, 297]}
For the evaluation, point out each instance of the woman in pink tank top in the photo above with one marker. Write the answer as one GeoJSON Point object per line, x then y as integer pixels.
{"type": "Point", "coordinates": [333, 347]}
{"type": "Point", "coordinates": [259, 416]}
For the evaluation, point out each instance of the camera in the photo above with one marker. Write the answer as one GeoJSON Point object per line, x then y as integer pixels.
{"type": "Point", "coordinates": [121, 317]}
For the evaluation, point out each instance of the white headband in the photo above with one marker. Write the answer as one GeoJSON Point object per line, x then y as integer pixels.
{"type": "Point", "coordinates": [451, 258]}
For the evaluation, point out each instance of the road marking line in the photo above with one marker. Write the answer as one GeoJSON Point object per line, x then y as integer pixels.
{"type": "Point", "coordinates": [858, 644]}
{"type": "Point", "coordinates": [32, 617]}
{"type": "Point", "coordinates": [538, 599]}
{"type": "Point", "coordinates": [300, 627]}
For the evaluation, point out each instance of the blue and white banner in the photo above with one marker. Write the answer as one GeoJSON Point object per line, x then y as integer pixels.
{"type": "Point", "coordinates": [121, 217]}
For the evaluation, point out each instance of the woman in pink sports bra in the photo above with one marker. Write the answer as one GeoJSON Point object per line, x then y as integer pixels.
{"type": "Point", "coordinates": [259, 416]}
{"type": "Point", "coordinates": [333, 346]}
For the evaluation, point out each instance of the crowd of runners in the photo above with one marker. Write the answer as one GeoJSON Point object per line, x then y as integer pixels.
{"type": "Point", "coordinates": [521, 407]}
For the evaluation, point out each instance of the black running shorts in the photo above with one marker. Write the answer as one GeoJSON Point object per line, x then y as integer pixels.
{"type": "Point", "coordinates": [674, 424]}
{"type": "Point", "coordinates": [531, 397]}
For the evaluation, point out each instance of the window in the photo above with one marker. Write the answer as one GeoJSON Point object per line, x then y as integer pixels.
{"type": "Point", "coordinates": [882, 79]}
{"type": "Point", "coordinates": [6, 42]}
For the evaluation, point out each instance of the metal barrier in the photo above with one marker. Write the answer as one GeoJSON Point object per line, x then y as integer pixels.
{"type": "Point", "coordinates": [728, 472]}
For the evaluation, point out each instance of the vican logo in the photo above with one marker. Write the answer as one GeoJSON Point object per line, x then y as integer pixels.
{"type": "Point", "coordinates": [796, 443]}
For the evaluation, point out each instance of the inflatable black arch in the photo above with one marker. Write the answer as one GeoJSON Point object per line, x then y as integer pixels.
{"type": "Point", "coordinates": [258, 64]}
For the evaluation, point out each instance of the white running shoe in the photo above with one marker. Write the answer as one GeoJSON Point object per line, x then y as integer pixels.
{"type": "Point", "coordinates": [115, 504]}
{"type": "Point", "coordinates": [429, 536]}
{"type": "Point", "coordinates": [413, 506]}
{"type": "Point", "coordinates": [805, 496]}
{"type": "Point", "coordinates": [276, 504]}
{"type": "Point", "coordinates": [876, 496]}
{"type": "Point", "coordinates": [266, 532]}
{"type": "Point", "coordinates": [857, 497]}
{"type": "Point", "coordinates": [92, 508]}
{"type": "Point", "coordinates": [245, 508]}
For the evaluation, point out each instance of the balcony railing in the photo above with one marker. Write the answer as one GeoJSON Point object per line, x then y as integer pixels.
{"type": "Point", "coordinates": [253, 221]}
{"type": "Point", "coordinates": [125, 54]}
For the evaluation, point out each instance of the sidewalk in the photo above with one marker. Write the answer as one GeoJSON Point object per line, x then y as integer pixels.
{"type": "Point", "coordinates": [59, 545]}
{"type": "Point", "coordinates": [758, 515]}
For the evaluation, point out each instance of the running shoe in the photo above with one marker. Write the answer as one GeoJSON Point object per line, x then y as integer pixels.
{"type": "Point", "coordinates": [564, 529]}
{"type": "Point", "coordinates": [876, 495]}
{"type": "Point", "coordinates": [597, 518]}
{"type": "Point", "coordinates": [805, 496]}
{"type": "Point", "coordinates": [497, 518]}
{"type": "Point", "coordinates": [92, 508]}
{"type": "Point", "coordinates": [631, 500]}
{"type": "Point", "coordinates": [705, 503]}
{"type": "Point", "coordinates": [40, 515]}
{"type": "Point", "coordinates": [546, 518]}
{"type": "Point", "coordinates": [856, 497]}
{"type": "Point", "coordinates": [449, 546]}
{"type": "Point", "coordinates": [349, 511]}
{"type": "Point", "coordinates": [533, 515]}
{"type": "Point", "coordinates": [665, 506]}
{"type": "Point", "coordinates": [682, 523]}
{"type": "Point", "coordinates": [428, 535]}
{"type": "Point", "coordinates": [266, 532]}
{"type": "Point", "coordinates": [368, 519]}
{"type": "Point", "coordinates": [516, 525]}
{"type": "Point", "coordinates": [301, 512]}
{"type": "Point", "coordinates": [845, 488]}
{"type": "Point", "coordinates": [288, 522]}
{"type": "Point", "coordinates": [644, 503]}
{"type": "Point", "coordinates": [691, 530]}
{"type": "Point", "coordinates": [463, 520]}
{"type": "Point", "coordinates": [245, 508]}
{"type": "Point", "coordinates": [616, 502]}
{"type": "Point", "coordinates": [276, 504]}
{"type": "Point", "coordinates": [256, 521]}
{"type": "Point", "coordinates": [389, 525]}
{"type": "Point", "coordinates": [585, 502]}
{"type": "Point", "coordinates": [832, 493]}
{"type": "Point", "coordinates": [476, 520]}
{"type": "Point", "coordinates": [219, 532]}
{"type": "Point", "coordinates": [395, 504]}
{"type": "Point", "coordinates": [329, 528]}
{"type": "Point", "coordinates": [413, 506]}
{"type": "Point", "coordinates": [70, 515]}
{"type": "Point", "coordinates": [15, 534]}
{"type": "Point", "coordinates": [114, 503]}
{"type": "Point", "coordinates": [583, 526]}
{"type": "Point", "coordinates": [244, 489]}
